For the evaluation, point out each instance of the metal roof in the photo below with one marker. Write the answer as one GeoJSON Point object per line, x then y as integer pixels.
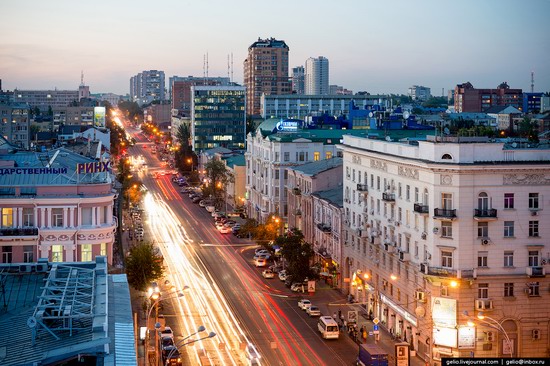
{"type": "Point", "coordinates": [316, 167]}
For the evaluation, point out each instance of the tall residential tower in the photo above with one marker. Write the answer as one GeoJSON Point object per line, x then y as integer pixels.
{"type": "Point", "coordinates": [316, 76]}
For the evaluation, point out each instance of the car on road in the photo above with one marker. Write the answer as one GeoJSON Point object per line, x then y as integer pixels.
{"type": "Point", "coordinates": [282, 275]}
{"type": "Point", "coordinates": [258, 250]}
{"type": "Point", "coordinates": [261, 256]}
{"type": "Point", "coordinates": [268, 273]}
{"type": "Point", "coordinates": [167, 332]}
{"type": "Point", "coordinates": [304, 304]}
{"type": "Point", "coordinates": [298, 287]}
{"type": "Point", "coordinates": [313, 311]}
{"type": "Point", "coordinates": [210, 208]}
{"type": "Point", "coordinates": [225, 230]}
{"type": "Point", "coordinates": [260, 262]}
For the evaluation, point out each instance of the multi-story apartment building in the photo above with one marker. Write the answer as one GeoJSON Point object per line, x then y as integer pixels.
{"type": "Point", "coordinates": [298, 81]}
{"type": "Point", "coordinates": [338, 90]}
{"type": "Point", "coordinates": [275, 146]}
{"type": "Point", "coordinates": [265, 72]}
{"type": "Point", "coordinates": [420, 93]}
{"type": "Point", "coordinates": [444, 231]}
{"type": "Point", "coordinates": [159, 114]}
{"type": "Point", "coordinates": [56, 205]}
{"type": "Point", "coordinates": [147, 86]}
{"type": "Point", "coordinates": [316, 76]}
{"type": "Point", "coordinates": [470, 99]}
{"type": "Point", "coordinates": [45, 99]}
{"type": "Point", "coordinates": [72, 116]}
{"type": "Point", "coordinates": [301, 106]}
{"type": "Point", "coordinates": [180, 90]}
{"type": "Point", "coordinates": [218, 117]}
{"type": "Point", "coordinates": [15, 124]}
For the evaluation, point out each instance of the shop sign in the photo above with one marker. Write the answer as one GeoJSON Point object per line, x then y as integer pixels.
{"type": "Point", "coordinates": [444, 312]}
{"type": "Point", "coordinates": [466, 337]}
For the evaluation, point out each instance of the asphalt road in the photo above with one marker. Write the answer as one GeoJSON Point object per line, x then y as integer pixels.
{"type": "Point", "coordinates": [219, 269]}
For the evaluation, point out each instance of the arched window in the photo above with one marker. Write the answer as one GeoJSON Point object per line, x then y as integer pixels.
{"type": "Point", "coordinates": [447, 157]}
{"type": "Point", "coordinates": [483, 201]}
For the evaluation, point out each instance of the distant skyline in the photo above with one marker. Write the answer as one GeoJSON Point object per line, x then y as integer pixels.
{"type": "Point", "coordinates": [379, 47]}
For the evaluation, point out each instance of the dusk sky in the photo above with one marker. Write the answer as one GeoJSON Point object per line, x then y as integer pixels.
{"type": "Point", "coordinates": [375, 46]}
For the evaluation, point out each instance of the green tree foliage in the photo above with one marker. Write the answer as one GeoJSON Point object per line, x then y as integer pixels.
{"type": "Point", "coordinates": [265, 234]}
{"type": "Point", "coordinates": [436, 102]}
{"type": "Point", "coordinates": [143, 266]}
{"type": "Point", "coordinates": [298, 255]}
{"type": "Point", "coordinates": [185, 158]}
{"type": "Point", "coordinates": [529, 130]}
{"type": "Point", "coordinates": [218, 176]}
{"type": "Point", "coordinates": [131, 110]}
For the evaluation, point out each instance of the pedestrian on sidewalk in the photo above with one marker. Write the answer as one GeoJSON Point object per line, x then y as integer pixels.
{"type": "Point", "coordinates": [345, 324]}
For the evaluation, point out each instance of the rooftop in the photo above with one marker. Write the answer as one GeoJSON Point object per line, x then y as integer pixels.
{"type": "Point", "coordinates": [334, 196]}
{"type": "Point", "coordinates": [316, 167]}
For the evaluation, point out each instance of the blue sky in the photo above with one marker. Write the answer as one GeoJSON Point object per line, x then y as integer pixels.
{"type": "Point", "coordinates": [377, 46]}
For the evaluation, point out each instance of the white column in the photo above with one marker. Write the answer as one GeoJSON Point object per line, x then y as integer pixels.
{"type": "Point", "coordinates": [14, 217]}
{"type": "Point", "coordinates": [35, 216]}
{"type": "Point", "coordinates": [110, 219]}
{"type": "Point", "coordinates": [42, 217]}
{"type": "Point", "coordinates": [19, 216]}
{"type": "Point", "coordinates": [69, 253]}
{"type": "Point", "coordinates": [71, 217]}
{"type": "Point", "coordinates": [94, 216]}
{"type": "Point", "coordinates": [48, 217]}
{"type": "Point", "coordinates": [79, 217]}
{"type": "Point", "coordinates": [65, 217]}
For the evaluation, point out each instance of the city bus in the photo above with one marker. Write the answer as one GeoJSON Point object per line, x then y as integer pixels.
{"type": "Point", "coordinates": [328, 327]}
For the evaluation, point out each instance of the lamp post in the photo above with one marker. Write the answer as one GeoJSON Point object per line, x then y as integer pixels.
{"type": "Point", "coordinates": [182, 342]}
{"type": "Point", "coordinates": [495, 324]}
{"type": "Point", "coordinates": [155, 295]}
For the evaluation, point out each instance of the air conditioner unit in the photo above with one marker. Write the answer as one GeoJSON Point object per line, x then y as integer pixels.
{"type": "Point", "coordinates": [436, 230]}
{"type": "Point", "coordinates": [528, 291]}
{"type": "Point", "coordinates": [372, 212]}
{"type": "Point", "coordinates": [535, 271]}
{"type": "Point", "coordinates": [424, 235]}
{"type": "Point", "coordinates": [534, 213]}
{"type": "Point", "coordinates": [424, 268]}
{"type": "Point", "coordinates": [420, 296]}
{"type": "Point", "coordinates": [27, 268]}
{"type": "Point", "coordinates": [489, 336]}
{"type": "Point", "coordinates": [404, 256]}
{"type": "Point", "coordinates": [484, 241]}
{"type": "Point", "coordinates": [384, 283]}
{"type": "Point", "coordinates": [535, 334]}
{"type": "Point", "coordinates": [484, 304]}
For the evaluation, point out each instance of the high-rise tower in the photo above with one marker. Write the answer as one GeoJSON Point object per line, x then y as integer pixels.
{"type": "Point", "coordinates": [265, 71]}
{"type": "Point", "coordinates": [316, 76]}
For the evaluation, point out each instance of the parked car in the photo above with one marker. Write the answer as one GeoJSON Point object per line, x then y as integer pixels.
{"type": "Point", "coordinates": [210, 208]}
{"type": "Point", "coordinates": [313, 311]}
{"type": "Point", "coordinates": [167, 332]}
{"type": "Point", "coordinates": [304, 304]}
{"type": "Point", "coordinates": [298, 287]}
{"type": "Point", "coordinates": [258, 250]}
{"type": "Point", "coordinates": [268, 273]}
{"type": "Point", "coordinates": [261, 256]}
{"type": "Point", "coordinates": [196, 199]}
{"type": "Point", "coordinates": [260, 262]}
{"type": "Point", "coordinates": [225, 230]}
{"type": "Point", "coordinates": [282, 275]}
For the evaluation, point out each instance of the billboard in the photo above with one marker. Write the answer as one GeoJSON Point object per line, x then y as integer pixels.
{"type": "Point", "coordinates": [99, 116]}
{"type": "Point", "coordinates": [444, 312]}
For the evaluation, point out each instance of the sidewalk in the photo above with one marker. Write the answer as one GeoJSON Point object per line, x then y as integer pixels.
{"type": "Point", "coordinates": [326, 295]}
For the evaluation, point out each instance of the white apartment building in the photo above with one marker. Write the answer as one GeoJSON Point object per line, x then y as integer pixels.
{"type": "Point", "coordinates": [420, 93]}
{"type": "Point", "coordinates": [316, 76]}
{"type": "Point", "coordinates": [442, 227]}
{"type": "Point", "coordinates": [268, 155]}
{"type": "Point", "coordinates": [301, 106]}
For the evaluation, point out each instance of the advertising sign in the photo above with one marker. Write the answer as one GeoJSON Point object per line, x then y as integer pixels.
{"type": "Point", "coordinates": [446, 337]}
{"type": "Point", "coordinates": [444, 312]}
{"type": "Point", "coordinates": [402, 354]}
{"type": "Point", "coordinates": [311, 286]}
{"type": "Point", "coordinates": [352, 316]}
{"type": "Point", "coordinates": [99, 116]}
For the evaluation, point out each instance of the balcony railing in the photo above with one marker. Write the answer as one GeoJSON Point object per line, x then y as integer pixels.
{"type": "Point", "coordinates": [485, 213]}
{"type": "Point", "coordinates": [441, 212]}
{"type": "Point", "coordinates": [27, 231]}
{"type": "Point", "coordinates": [362, 187]}
{"type": "Point", "coordinates": [297, 191]}
{"type": "Point", "coordinates": [423, 209]}
{"type": "Point", "coordinates": [442, 272]}
{"type": "Point", "coordinates": [324, 227]}
{"type": "Point", "coordinates": [390, 197]}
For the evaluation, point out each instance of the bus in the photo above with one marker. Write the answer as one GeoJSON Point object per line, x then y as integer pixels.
{"type": "Point", "coordinates": [328, 327]}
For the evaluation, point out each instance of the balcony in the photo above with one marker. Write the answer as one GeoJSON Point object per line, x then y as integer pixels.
{"type": "Point", "coordinates": [324, 228]}
{"type": "Point", "coordinates": [298, 212]}
{"type": "Point", "coordinates": [441, 272]}
{"type": "Point", "coordinates": [480, 214]}
{"type": "Point", "coordinates": [362, 188]}
{"type": "Point", "coordinates": [296, 191]}
{"type": "Point", "coordinates": [19, 233]}
{"type": "Point", "coordinates": [421, 209]}
{"type": "Point", "coordinates": [388, 197]}
{"type": "Point", "coordinates": [444, 213]}
{"type": "Point", "coordinates": [535, 272]}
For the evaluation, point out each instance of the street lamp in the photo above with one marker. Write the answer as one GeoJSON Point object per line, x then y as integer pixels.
{"type": "Point", "coordinates": [182, 342]}
{"type": "Point", "coordinates": [495, 324]}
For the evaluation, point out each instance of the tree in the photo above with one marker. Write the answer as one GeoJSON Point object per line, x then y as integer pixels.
{"type": "Point", "coordinates": [297, 254]}
{"type": "Point", "coordinates": [218, 176]}
{"type": "Point", "coordinates": [143, 266]}
{"type": "Point", "coordinates": [183, 137]}
{"type": "Point", "coordinates": [528, 129]}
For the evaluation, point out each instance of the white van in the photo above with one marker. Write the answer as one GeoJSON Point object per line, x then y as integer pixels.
{"type": "Point", "coordinates": [328, 327]}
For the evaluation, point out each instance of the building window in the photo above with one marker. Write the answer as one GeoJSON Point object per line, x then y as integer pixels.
{"type": "Point", "coordinates": [446, 259]}
{"type": "Point", "coordinates": [287, 156]}
{"type": "Point", "coordinates": [508, 229]}
{"type": "Point", "coordinates": [28, 217]}
{"type": "Point", "coordinates": [508, 200]}
{"type": "Point", "coordinates": [447, 229]}
{"type": "Point", "coordinates": [57, 217]}
{"type": "Point", "coordinates": [416, 194]}
{"type": "Point", "coordinates": [447, 201]}
{"type": "Point", "coordinates": [534, 258]}
{"type": "Point", "coordinates": [508, 289]}
{"type": "Point", "coordinates": [57, 253]}
{"type": "Point", "coordinates": [483, 291]}
{"type": "Point", "coordinates": [103, 249]}
{"type": "Point", "coordinates": [7, 255]}
{"type": "Point", "coordinates": [533, 201]}
{"type": "Point", "coordinates": [328, 155]}
{"type": "Point", "coordinates": [378, 183]}
{"type": "Point", "coordinates": [483, 229]}
{"type": "Point", "coordinates": [86, 252]}
{"type": "Point", "coordinates": [482, 259]}
{"type": "Point", "coordinates": [533, 288]}
{"type": "Point", "coordinates": [399, 190]}
{"type": "Point", "coordinates": [508, 258]}
{"type": "Point", "coordinates": [408, 193]}
{"type": "Point", "coordinates": [7, 217]}
{"type": "Point", "coordinates": [372, 180]}
{"type": "Point", "coordinates": [533, 229]}
{"type": "Point", "coordinates": [28, 252]}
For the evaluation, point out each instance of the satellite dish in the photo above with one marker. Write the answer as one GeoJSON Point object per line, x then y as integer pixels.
{"type": "Point", "coordinates": [406, 115]}
{"type": "Point", "coordinates": [388, 138]}
{"type": "Point", "coordinates": [371, 114]}
{"type": "Point", "coordinates": [446, 131]}
{"type": "Point", "coordinates": [514, 145]}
